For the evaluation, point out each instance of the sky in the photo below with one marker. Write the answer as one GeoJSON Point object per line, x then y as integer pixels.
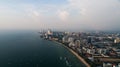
{"type": "Point", "coordinates": [60, 14]}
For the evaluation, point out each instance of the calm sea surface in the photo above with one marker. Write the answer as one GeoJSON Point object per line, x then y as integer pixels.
{"type": "Point", "coordinates": [27, 49]}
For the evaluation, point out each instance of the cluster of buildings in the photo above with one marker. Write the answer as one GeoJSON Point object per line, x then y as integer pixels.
{"type": "Point", "coordinates": [97, 48]}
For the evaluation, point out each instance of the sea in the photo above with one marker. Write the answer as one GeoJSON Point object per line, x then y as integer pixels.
{"type": "Point", "coordinates": [27, 49]}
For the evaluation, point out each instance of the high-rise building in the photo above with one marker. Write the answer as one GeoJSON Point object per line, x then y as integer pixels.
{"type": "Point", "coordinates": [70, 39]}
{"type": "Point", "coordinates": [49, 32]}
{"type": "Point", "coordinates": [77, 43]}
{"type": "Point", "coordinates": [117, 40]}
{"type": "Point", "coordinates": [89, 40]}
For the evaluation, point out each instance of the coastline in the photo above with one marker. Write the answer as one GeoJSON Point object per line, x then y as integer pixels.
{"type": "Point", "coordinates": [73, 52]}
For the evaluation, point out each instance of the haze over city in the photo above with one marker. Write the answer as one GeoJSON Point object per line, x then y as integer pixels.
{"type": "Point", "coordinates": [59, 33]}
{"type": "Point", "coordinates": [60, 14]}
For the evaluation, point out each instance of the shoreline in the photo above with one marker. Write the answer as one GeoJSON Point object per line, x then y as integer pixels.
{"type": "Point", "coordinates": [74, 53]}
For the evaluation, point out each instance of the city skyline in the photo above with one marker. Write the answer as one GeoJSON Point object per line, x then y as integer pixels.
{"type": "Point", "coordinates": [60, 14]}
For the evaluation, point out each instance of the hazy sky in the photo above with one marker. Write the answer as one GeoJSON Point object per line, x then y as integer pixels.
{"type": "Point", "coordinates": [60, 14]}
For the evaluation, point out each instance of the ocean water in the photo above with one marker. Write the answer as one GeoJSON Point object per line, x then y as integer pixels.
{"type": "Point", "coordinates": [27, 49]}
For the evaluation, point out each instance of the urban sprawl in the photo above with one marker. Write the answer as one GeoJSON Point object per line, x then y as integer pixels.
{"type": "Point", "coordinates": [98, 49]}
